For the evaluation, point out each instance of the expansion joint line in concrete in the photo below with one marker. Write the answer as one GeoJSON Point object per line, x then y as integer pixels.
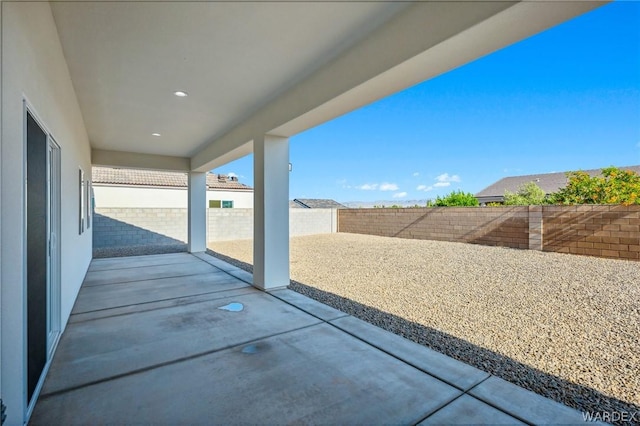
{"type": "Point", "coordinates": [441, 406]}
{"type": "Point", "coordinates": [167, 363]}
{"type": "Point", "coordinates": [489, 403]}
{"type": "Point", "coordinates": [142, 266]}
{"type": "Point", "coordinates": [151, 302]}
{"type": "Point", "coordinates": [225, 271]}
{"type": "Point", "coordinates": [146, 279]}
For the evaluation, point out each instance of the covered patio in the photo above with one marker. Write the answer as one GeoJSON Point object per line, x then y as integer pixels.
{"type": "Point", "coordinates": [188, 87]}
{"type": "Point", "coordinates": [185, 339]}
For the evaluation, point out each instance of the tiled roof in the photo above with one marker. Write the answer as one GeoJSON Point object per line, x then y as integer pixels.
{"type": "Point", "coordinates": [549, 182]}
{"type": "Point", "coordinates": [317, 203]}
{"type": "Point", "coordinates": [215, 181]}
{"type": "Point", "coordinates": [151, 178]}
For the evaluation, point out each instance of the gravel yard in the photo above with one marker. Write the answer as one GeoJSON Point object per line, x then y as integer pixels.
{"type": "Point", "coordinates": [565, 326]}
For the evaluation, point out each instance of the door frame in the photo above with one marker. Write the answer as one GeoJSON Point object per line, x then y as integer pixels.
{"type": "Point", "coordinates": [54, 250]}
{"type": "Point", "coordinates": [53, 230]}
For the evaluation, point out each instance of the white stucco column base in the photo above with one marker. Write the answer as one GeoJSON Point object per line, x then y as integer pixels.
{"type": "Point", "coordinates": [271, 212]}
{"type": "Point", "coordinates": [197, 206]}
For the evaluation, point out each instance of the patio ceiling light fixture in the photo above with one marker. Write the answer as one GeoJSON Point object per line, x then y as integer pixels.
{"type": "Point", "coordinates": [181, 94]}
{"type": "Point", "coordinates": [156, 134]}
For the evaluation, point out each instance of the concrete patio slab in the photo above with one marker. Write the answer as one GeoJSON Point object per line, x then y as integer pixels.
{"type": "Point", "coordinates": [240, 274]}
{"type": "Point", "coordinates": [150, 351]}
{"type": "Point", "coordinates": [97, 350]}
{"type": "Point", "coordinates": [313, 375]}
{"type": "Point", "coordinates": [123, 275]}
{"type": "Point", "coordinates": [525, 405]}
{"type": "Point", "coordinates": [313, 307]}
{"type": "Point", "coordinates": [221, 264]}
{"type": "Point", "coordinates": [467, 410]}
{"type": "Point", "coordinates": [151, 306]}
{"type": "Point", "coordinates": [139, 261]}
{"type": "Point", "coordinates": [449, 370]}
{"type": "Point", "coordinates": [227, 267]}
{"type": "Point", "coordinates": [93, 298]}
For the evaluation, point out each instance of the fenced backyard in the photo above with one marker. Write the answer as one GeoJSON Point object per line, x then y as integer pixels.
{"type": "Point", "coordinates": [593, 230]}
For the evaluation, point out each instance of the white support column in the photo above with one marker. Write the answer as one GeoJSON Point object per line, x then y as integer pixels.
{"type": "Point", "coordinates": [271, 212]}
{"type": "Point", "coordinates": [197, 212]}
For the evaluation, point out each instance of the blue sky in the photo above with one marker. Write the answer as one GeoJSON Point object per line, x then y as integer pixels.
{"type": "Point", "coordinates": [565, 99]}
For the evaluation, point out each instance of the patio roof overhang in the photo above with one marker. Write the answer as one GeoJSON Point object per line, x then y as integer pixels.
{"type": "Point", "coordinates": [262, 68]}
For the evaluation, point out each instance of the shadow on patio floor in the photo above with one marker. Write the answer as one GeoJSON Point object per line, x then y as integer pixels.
{"type": "Point", "coordinates": [138, 250]}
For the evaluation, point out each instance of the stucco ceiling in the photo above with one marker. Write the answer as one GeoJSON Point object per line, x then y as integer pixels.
{"type": "Point", "coordinates": [252, 68]}
{"type": "Point", "coordinates": [127, 59]}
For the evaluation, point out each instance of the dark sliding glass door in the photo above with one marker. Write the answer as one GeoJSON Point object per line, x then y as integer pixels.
{"type": "Point", "coordinates": [37, 252]}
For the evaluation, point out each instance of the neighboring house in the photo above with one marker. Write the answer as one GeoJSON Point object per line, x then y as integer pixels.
{"type": "Point", "coordinates": [116, 187]}
{"type": "Point", "coordinates": [315, 203]}
{"type": "Point", "coordinates": [549, 182]}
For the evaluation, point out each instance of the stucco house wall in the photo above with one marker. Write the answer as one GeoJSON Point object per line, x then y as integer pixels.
{"type": "Point", "coordinates": [241, 199]}
{"type": "Point", "coordinates": [120, 196]}
{"type": "Point", "coordinates": [34, 69]}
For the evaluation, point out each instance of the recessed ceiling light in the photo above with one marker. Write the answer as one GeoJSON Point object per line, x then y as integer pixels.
{"type": "Point", "coordinates": [180, 94]}
{"type": "Point", "coordinates": [156, 134]}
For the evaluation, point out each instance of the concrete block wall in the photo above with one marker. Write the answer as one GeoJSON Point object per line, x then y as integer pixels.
{"type": "Point", "coordinates": [593, 230]}
{"type": "Point", "coordinates": [312, 221]}
{"type": "Point", "coordinates": [603, 231]}
{"type": "Point", "coordinates": [117, 227]}
{"type": "Point", "coordinates": [535, 228]}
{"type": "Point", "coordinates": [237, 224]}
{"type": "Point", "coordinates": [496, 226]}
{"type": "Point", "coordinates": [229, 224]}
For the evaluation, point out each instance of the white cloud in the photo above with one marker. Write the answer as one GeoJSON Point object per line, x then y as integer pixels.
{"type": "Point", "coordinates": [384, 186]}
{"type": "Point", "coordinates": [442, 181]}
{"type": "Point", "coordinates": [388, 186]}
{"type": "Point", "coordinates": [638, 144]}
{"type": "Point", "coordinates": [231, 174]}
{"type": "Point", "coordinates": [368, 187]}
{"type": "Point", "coordinates": [343, 183]}
{"type": "Point", "coordinates": [400, 195]}
{"type": "Point", "coordinates": [416, 174]}
{"type": "Point", "coordinates": [445, 177]}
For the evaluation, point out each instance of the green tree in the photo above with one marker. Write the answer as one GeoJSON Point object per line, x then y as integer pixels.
{"type": "Point", "coordinates": [454, 199]}
{"type": "Point", "coordinates": [528, 194]}
{"type": "Point", "coordinates": [615, 186]}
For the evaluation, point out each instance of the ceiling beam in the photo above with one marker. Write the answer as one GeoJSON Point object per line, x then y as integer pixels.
{"type": "Point", "coordinates": [131, 160]}
{"type": "Point", "coordinates": [223, 156]}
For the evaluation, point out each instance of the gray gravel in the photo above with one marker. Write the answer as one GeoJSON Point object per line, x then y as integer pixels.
{"type": "Point", "coordinates": [564, 326]}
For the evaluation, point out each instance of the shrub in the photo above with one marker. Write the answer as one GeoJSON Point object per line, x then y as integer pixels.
{"type": "Point", "coordinates": [528, 194]}
{"type": "Point", "coordinates": [454, 199]}
{"type": "Point", "coordinates": [615, 186]}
